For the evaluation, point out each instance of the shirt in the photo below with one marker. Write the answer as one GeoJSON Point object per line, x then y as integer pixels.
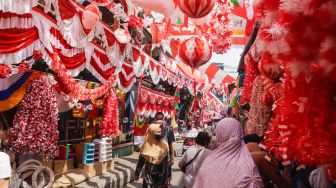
{"type": "Point", "coordinates": [5, 167]}
{"type": "Point", "coordinates": [193, 168]}
{"type": "Point", "coordinates": [168, 135]}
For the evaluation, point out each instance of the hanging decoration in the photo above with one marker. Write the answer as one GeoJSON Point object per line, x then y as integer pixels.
{"type": "Point", "coordinates": [195, 52]}
{"type": "Point", "coordinates": [7, 70]}
{"type": "Point", "coordinates": [303, 125]}
{"type": "Point", "coordinates": [110, 121]}
{"type": "Point", "coordinates": [90, 16]}
{"type": "Point", "coordinates": [217, 30]}
{"type": "Point", "coordinates": [196, 8]}
{"type": "Point", "coordinates": [150, 102]}
{"type": "Point", "coordinates": [77, 91]}
{"type": "Point", "coordinates": [122, 35]}
{"type": "Point", "coordinates": [167, 8]}
{"type": "Point", "coordinates": [260, 113]}
{"type": "Point", "coordinates": [251, 73]}
{"type": "Point", "coordinates": [35, 123]}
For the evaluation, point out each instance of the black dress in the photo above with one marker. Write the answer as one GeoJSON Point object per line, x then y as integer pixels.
{"type": "Point", "coordinates": [155, 175]}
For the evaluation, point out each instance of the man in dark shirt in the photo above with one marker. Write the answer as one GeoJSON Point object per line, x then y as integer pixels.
{"type": "Point", "coordinates": [167, 135]}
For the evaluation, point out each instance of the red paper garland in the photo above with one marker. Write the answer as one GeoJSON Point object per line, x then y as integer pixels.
{"type": "Point", "coordinates": [110, 121]}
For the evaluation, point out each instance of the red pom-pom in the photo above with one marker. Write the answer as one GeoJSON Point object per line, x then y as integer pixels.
{"type": "Point", "coordinates": [5, 70]}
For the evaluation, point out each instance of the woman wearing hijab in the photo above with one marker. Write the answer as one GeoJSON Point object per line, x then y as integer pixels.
{"type": "Point", "coordinates": [230, 165]}
{"type": "Point", "coordinates": [154, 156]}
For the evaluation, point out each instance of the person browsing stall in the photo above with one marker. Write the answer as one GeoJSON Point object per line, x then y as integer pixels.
{"type": "Point", "coordinates": [154, 157]}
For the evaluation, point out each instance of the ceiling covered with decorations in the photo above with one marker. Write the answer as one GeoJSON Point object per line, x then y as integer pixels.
{"type": "Point", "coordinates": [119, 41]}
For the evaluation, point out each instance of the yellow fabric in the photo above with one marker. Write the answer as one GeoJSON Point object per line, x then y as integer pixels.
{"type": "Point", "coordinates": [154, 150]}
{"type": "Point", "coordinates": [18, 95]}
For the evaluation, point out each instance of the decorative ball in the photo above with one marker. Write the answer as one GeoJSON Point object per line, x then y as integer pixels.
{"type": "Point", "coordinates": [196, 8]}
{"type": "Point", "coordinates": [195, 52]}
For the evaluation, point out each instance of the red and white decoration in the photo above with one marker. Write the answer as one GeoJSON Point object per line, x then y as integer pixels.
{"type": "Point", "coordinates": [35, 123]}
{"type": "Point", "coordinates": [196, 8]}
{"type": "Point", "coordinates": [195, 52]}
{"type": "Point", "coordinates": [110, 121]}
{"type": "Point", "coordinates": [151, 102]}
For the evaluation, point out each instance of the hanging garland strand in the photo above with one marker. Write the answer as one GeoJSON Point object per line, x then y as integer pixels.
{"type": "Point", "coordinates": [110, 120]}
{"type": "Point", "coordinates": [77, 91]}
{"type": "Point", "coordinates": [35, 124]}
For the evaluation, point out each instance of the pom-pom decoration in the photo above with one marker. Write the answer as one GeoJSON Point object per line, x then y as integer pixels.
{"type": "Point", "coordinates": [90, 16]}
{"type": "Point", "coordinates": [196, 8]}
{"type": "Point", "coordinates": [23, 67]}
{"type": "Point", "coordinates": [5, 70]}
{"type": "Point", "coordinates": [35, 123]}
{"type": "Point", "coordinates": [195, 52]}
{"type": "Point", "coordinates": [110, 121]}
{"type": "Point", "coordinates": [303, 126]}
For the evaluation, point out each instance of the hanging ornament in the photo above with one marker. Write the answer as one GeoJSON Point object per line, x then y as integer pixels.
{"type": "Point", "coordinates": [90, 16]}
{"type": "Point", "coordinates": [196, 8]}
{"type": "Point", "coordinates": [110, 120]}
{"type": "Point", "coordinates": [122, 35]}
{"type": "Point", "coordinates": [167, 8]}
{"type": "Point", "coordinates": [35, 123]}
{"type": "Point", "coordinates": [5, 70]}
{"type": "Point", "coordinates": [195, 52]}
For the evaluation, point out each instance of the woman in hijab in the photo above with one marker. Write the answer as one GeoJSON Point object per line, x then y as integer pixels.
{"type": "Point", "coordinates": [230, 165]}
{"type": "Point", "coordinates": [154, 155]}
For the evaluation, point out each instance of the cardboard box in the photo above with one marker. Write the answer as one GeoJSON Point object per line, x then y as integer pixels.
{"type": "Point", "coordinates": [62, 165]}
{"type": "Point", "coordinates": [48, 163]}
{"type": "Point", "coordinates": [94, 169]}
{"type": "Point", "coordinates": [108, 165]}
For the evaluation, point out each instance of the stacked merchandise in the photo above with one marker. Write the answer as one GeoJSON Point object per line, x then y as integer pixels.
{"type": "Point", "coordinates": [88, 153]}
{"type": "Point", "coordinates": [103, 150]}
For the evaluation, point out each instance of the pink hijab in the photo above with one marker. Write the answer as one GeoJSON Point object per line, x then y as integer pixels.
{"type": "Point", "coordinates": [230, 165]}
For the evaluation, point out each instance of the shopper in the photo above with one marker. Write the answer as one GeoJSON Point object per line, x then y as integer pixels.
{"type": "Point", "coordinates": [230, 165]}
{"type": "Point", "coordinates": [167, 134]}
{"type": "Point", "coordinates": [270, 174]}
{"type": "Point", "coordinates": [213, 141]}
{"type": "Point", "coordinates": [193, 158]}
{"type": "Point", "coordinates": [154, 156]}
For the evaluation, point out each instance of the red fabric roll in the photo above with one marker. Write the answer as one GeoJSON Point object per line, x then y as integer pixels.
{"type": "Point", "coordinates": [13, 40]}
